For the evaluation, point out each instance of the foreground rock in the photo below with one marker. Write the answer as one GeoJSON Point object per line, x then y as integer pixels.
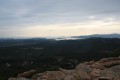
{"type": "Point", "coordinates": [21, 78]}
{"type": "Point", "coordinates": [105, 69]}
{"type": "Point", "coordinates": [27, 73]}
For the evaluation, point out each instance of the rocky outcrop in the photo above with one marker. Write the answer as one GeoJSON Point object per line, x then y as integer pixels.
{"type": "Point", "coordinates": [106, 63]}
{"type": "Point", "coordinates": [49, 75]}
{"type": "Point", "coordinates": [27, 73]}
{"type": "Point", "coordinates": [104, 69]}
{"type": "Point", "coordinates": [21, 78]}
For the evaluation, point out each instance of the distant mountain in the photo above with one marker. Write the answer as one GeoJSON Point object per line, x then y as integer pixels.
{"type": "Point", "coordinates": [115, 35]}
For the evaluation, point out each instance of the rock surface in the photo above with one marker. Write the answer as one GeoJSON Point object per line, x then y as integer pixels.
{"type": "Point", "coordinates": [21, 78]}
{"type": "Point", "coordinates": [26, 74]}
{"type": "Point", "coordinates": [104, 69]}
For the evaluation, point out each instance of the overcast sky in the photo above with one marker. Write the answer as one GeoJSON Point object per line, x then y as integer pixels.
{"type": "Point", "coordinates": [45, 18]}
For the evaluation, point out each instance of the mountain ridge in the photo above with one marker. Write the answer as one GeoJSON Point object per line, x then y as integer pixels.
{"type": "Point", "coordinates": [114, 35]}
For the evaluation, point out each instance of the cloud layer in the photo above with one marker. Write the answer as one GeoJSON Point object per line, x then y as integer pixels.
{"type": "Point", "coordinates": [36, 18]}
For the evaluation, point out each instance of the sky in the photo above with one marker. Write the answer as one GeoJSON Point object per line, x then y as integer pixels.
{"type": "Point", "coordinates": [51, 18]}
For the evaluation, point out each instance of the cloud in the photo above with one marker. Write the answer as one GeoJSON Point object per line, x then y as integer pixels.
{"type": "Point", "coordinates": [105, 25]}
{"type": "Point", "coordinates": [21, 14]}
